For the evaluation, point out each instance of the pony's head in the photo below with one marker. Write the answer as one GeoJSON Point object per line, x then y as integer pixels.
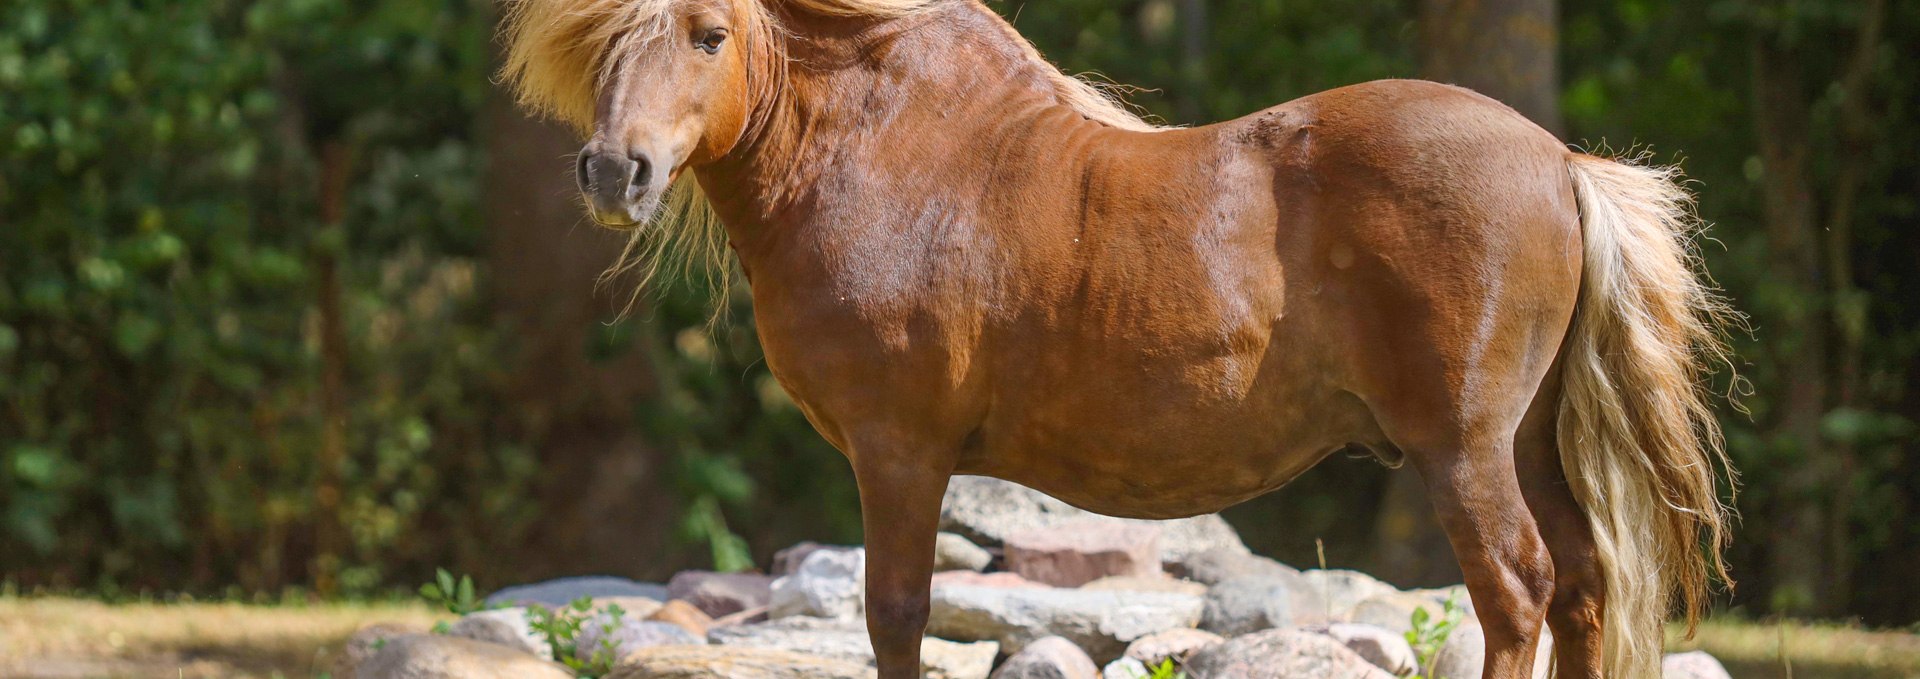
{"type": "Point", "coordinates": [656, 85]}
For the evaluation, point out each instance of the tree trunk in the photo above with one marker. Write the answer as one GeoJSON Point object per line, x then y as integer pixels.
{"type": "Point", "coordinates": [329, 530]}
{"type": "Point", "coordinates": [1505, 49]}
{"type": "Point", "coordinates": [1508, 50]}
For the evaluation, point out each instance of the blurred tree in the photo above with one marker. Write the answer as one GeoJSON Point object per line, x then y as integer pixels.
{"type": "Point", "coordinates": [1508, 50]}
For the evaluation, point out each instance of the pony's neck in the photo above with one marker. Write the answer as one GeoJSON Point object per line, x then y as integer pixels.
{"type": "Point", "coordinates": [953, 68]}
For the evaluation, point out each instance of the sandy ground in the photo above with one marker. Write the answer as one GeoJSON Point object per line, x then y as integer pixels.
{"type": "Point", "coordinates": [47, 638]}
{"type": "Point", "coordinates": [56, 637]}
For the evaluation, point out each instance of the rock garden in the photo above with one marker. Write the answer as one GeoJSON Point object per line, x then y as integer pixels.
{"type": "Point", "coordinates": [1027, 588]}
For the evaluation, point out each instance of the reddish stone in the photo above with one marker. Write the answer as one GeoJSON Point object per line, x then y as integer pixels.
{"type": "Point", "coordinates": [684, 615]}
{"type": "Point", "coordinates": [721, 594]}
{"type": "Point", "coordinates": [970, 578]}
{"type": "Point", "coordinates": [1076, 553]}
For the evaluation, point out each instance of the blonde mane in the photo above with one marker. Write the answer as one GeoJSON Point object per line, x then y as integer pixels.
{"type": "Point", "coordinates": [558, 52]}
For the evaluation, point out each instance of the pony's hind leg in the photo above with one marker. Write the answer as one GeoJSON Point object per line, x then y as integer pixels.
{"type": "Point", "coordinates": [1579, 585]}
{"type": "Point", "coordinates": [1477, 497]}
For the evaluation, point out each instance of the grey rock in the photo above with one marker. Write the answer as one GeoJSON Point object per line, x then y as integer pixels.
{"type": "Point", "coordinates": [716, 662]}
{"type": "Point", "coordinates": [560, 592]}
{"type": "Point", "coordinates": [1100, 622]}
{"type": "Point", "coordinates": [1282, 654]}
{"type": "Point", "coordinates": [1126, 668]}
{"type": "Point", "coordinates": [1394, 611]}
{"type": "Point", "coordinates": [1178, 644]}
{"type": "Point", "coordinates": [847, 640]}
{"type": "Point", "coordinates": [788, 560]}
{"type": "Point", "coordinates": [1344, 590]}
{"type": "Point", "coordinates": [1129, 583]}
{"type": "Point", "coordinates": [1249, 604]}
{"type": "Point", "coordinates": [507, 627]}
{"type": "Point", "coordinates": [618, 638]}
{"type": "Point", "coordinates": [438, 656]}
{"type": "Point", "coordinates": [365, 642]}
{"type": "Point", "coordinates": [828, 584]}
{"type": "Point", "coordinates": [1692, 665]}
{"type": "Point", "coordinates": [1215, 566]}
{"type": "Point", "coordinates": [942, 659]}
{"type": "Point", "coordinates": [841, 639]}
{"type": "Point", "coordinates": [1466, 651]}
{"type": "Point", "coordinates": [987, 510]}
{"type": "Point", "coordinates": [1048, 658]}
{"type": "Point", "coordinates": [721, 594]}
{"type": "Point", "coordinates": [952, 552]}
{"type": "Point", "coordinates": [1386, 650]}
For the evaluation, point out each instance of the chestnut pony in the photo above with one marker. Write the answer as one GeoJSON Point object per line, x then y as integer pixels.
{"type": "Point", "coordinates": [964, 262]}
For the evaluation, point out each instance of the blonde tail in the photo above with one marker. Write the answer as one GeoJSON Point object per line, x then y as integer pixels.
{"type": "Point", "coordinates": [1637, 434]}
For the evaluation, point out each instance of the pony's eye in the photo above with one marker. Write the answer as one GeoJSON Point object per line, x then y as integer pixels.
{"type": "Point", "coordinates": [711, 42]}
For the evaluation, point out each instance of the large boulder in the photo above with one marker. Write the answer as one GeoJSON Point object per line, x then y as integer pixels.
{"type": "Point", "coordinates": [987, 511]}
{"type": "Point", "coordinates": [953, 552]}
{"type": "Point", "coordinates": [438, 656]}
{"type": "Point", "coordinates": [563, 591]}
{"type": "Point", "coordinates": [717, 662]}
{"type": "Point", "coordinates": [1282, 654]}
{"type": "Point", "coordinates": [1214, 566]}
{"type": "Point", "coordinates": [1100, 622]}
{"type": "Point", "coordinates": [848, 640]}
{"type": "Point", "coordinates": [1249, 604]}
{"type": "Point", "coordinates": [507, 627]}
{"type": "Point", "coordinates": [1074, 553]}
{"type": "Point", "coordinates": [721, 594]}
{"type": "Point", "coordinates": [1692, 665]}
{"type": "Point", "coordinates": [828, 584]}
{"type": "Point", "coordinates": [1048, 658]}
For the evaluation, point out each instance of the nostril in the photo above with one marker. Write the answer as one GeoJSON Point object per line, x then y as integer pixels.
{"type": "Point", "coordinates": [642, 171]}
{"type": "Point", "coordinates": [580, 175]}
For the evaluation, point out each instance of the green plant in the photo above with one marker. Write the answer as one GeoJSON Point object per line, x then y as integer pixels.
{"type": "Point", "coordinates": [561, 628]}
{"type": "Point", "coordinates": [1429, 634]}
{"type": "Point", "coordinates": [1167, 669]}
{"type": "Point", "coordinates": [454, 595]}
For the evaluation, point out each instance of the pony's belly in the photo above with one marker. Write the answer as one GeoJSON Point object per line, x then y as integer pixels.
{"type": "Point", "coordinates": [1188, 460]}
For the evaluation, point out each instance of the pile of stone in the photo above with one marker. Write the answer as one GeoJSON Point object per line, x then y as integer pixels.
{"type": "Point", "coordinates": [1028, 588]}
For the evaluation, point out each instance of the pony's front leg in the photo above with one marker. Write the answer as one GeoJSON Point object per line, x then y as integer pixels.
{"type": "Point", "coordinates": [900, 492]}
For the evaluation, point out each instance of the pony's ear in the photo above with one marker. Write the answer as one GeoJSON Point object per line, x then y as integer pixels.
{"type": "Point", "coordinates": [556, 51]}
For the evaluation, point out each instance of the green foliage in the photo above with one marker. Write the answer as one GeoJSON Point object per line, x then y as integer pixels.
{"type": "Point", "coordinates": [158, 354]}
{"type": "Point", "coordinates": [456, 597]}
{"type": "Point", "coordinates": [1429, 634]}
{"type": "Point", "coordinates": [561, 627]}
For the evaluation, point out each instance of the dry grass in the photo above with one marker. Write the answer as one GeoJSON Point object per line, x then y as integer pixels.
{"type": "Point", "coordinates": [58, 637]}
{"type": "Point", "coordinates": [46, 637]}
{"type": "Point", "coordinates": [1758, 650]}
